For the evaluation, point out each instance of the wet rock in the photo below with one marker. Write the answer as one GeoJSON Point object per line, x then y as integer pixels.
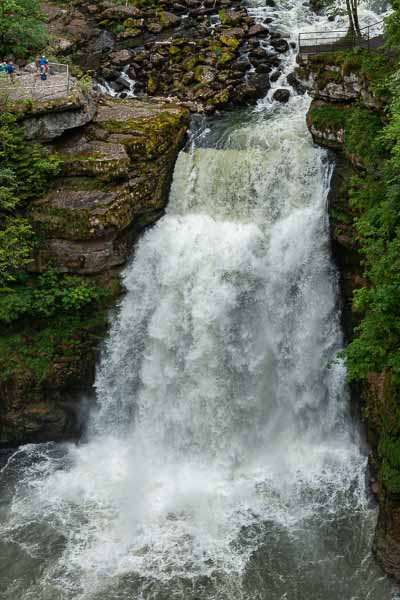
{"type": "Point", "coordinates": [257, 30]}
{"type": "Point", "coordinates": [264, 68]}
{"type": "Point", "coordinates": [280, 45]}
{"type": "Point", "coordinates": [281, 95]}
{"type": "Point", "coordinates": [260, 81]}
{"type": "Point", "coordinates": [122, 57]}
{"type": "Point", "coordinates": [295, 83]}
{"type": "Point", "coordinates": [105, 42]}
{"type": "Point", "coordinates": [275, 75]}
{"type": "Point", "coordinates": [258, 53]}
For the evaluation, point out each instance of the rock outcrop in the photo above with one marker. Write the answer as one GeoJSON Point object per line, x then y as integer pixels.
{"type": "Point", "coordinates": [45, 120]}
{"type": "Point", "coordinates": [335, 79]}
{"type": "Point", "coordinates": [115, 181]}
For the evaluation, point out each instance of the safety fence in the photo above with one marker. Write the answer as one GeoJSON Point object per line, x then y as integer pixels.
{"type": "Point", "coordinates": [370, 37]}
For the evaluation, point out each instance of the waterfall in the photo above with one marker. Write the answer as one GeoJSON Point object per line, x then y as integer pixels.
{"type": "Point", "coordinates": [221, 461]}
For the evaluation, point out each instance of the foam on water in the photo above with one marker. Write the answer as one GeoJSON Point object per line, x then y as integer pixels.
{"type": "Point", "coordinates": [220, 461]}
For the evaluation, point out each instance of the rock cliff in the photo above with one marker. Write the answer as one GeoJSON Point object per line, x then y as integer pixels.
{"type": "Point", "coordinates": [346, 115]}
{"type": "Point", "coordinates": [118, 158]}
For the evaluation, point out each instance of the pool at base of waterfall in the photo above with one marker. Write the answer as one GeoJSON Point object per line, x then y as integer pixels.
{"type": "Point", "coordinates": [220, 461]}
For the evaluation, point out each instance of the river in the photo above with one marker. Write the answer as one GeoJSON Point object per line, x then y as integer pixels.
{"type": "Point", "coordinates": [221, 461]}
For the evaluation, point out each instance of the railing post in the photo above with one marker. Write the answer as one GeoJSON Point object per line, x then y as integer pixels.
{"type": "Point", "coordinates": [67, 79]}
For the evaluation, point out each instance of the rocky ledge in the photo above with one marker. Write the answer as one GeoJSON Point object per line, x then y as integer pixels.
{"type": "Point", "coordinates": [115, 181]}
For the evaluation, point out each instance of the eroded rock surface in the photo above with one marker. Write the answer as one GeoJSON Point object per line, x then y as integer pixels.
{"type": "Point", "coordinates": [326, 78]}
{"type": "Point", "coordinates": [115, 180]}
{"type": "Point", "coordinates": [45, 120]}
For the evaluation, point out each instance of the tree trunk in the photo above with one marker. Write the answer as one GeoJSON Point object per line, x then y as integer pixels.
{"type": "Point", "coordinates": [352, 28]}
{"type": "Point", "coordinates": [354, 5]}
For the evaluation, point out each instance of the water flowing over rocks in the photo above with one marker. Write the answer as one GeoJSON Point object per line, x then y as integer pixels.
{"type": "Point", "coordinates": [200, 53]}
{"type": "Point", "coordinates": [220, 460]}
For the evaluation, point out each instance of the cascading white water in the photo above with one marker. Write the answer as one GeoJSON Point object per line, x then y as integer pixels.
{"type": "Point", "coordinates": [221, 462]}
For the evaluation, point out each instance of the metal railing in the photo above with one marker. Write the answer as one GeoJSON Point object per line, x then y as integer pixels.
{"type": "Point", "coordinates": [370, 37]}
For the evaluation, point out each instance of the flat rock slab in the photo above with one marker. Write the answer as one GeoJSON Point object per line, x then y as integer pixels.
{"type": "Point", "coordinates": [97, 158]}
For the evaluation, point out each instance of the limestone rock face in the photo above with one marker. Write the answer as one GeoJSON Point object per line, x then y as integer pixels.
{"type": "Point", "coordinates": [115, 180]}
{"type": "Point", "coordinates": [49, 119]}
{"type": "Point", "coordinates": [332, 83]}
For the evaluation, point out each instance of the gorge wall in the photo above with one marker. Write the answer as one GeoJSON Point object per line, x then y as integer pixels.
{"type": "Point", "coordinates": [346, 116]}
{"type": "Point", "coordinates": [117, 162]}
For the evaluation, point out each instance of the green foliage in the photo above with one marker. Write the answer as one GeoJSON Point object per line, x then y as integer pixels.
{"type": "Point", "coordinates": [376, 346]}
{"type": "Point", "coordinates": [363, 129]}
{"type": "Point", "coordinates": [21, 29]}
{"type": "Point", "coordinates": [393, 27]}
{"type": "Point", "coordinates": [328, 116]}
{"type": "Point", "coordinates": [34, 354]}
{"type": "Point", "coordinates": [52, 293]}
{"type": "Point", "coordinates": [25, 173]}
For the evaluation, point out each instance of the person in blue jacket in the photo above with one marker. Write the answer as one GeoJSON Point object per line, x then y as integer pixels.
{"type": "Point", "coordinates": [10, 70]}
{"type": "Point", "coordinates": [44, 64]}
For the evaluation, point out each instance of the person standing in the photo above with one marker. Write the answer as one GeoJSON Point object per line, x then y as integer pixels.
{"type": "Point", "coordinates": [11, 71]}
{"type": "Point", "coordinates": [44, 65]}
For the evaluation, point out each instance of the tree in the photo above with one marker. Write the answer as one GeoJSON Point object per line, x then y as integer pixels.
{"type": "Point", "coordinates": [21, 27]}
{"type": "Point", "coordinates": [26, 171]}
{"type": "Point", "coordinates": [352, 12]}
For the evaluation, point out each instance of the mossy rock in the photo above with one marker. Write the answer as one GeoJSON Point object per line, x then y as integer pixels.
{"type": "Point", "coordinates": [225, 58]}
{"type": "Point", "coordinates": [231, 42]}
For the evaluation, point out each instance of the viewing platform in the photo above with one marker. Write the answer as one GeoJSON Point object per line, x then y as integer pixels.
{"type": "Point", "coordinates": [371, 37]}
{"type": "Point", "coordinates": [28, 84]}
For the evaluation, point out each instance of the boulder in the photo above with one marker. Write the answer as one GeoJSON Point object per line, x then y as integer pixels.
{"type": "Point", "coordinates": [295, 83]}
{"type": "Point", "coordinates": [280, 45]}
{"type": "Point", "coordinates": [281, 95]}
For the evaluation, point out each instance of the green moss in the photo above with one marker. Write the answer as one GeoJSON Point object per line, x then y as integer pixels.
{"type": "Point", "coordinates": [190, 63]}
{"type": "Point", "coordinates": [34, 353]}
{"type": "Point", "coordinates": [225, 58]}
{"type": "Point", "coordinates": [325, 116]}
{"type": "Point", "coordinates": [231, 42]}
{"type": "Point", "coordinates": [149, 137]}
{"type": "Point", "coordinates": [363, 128]}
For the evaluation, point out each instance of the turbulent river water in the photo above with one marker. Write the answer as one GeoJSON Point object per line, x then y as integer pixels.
{"type": "Point", "coordinates": [221, 462]}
